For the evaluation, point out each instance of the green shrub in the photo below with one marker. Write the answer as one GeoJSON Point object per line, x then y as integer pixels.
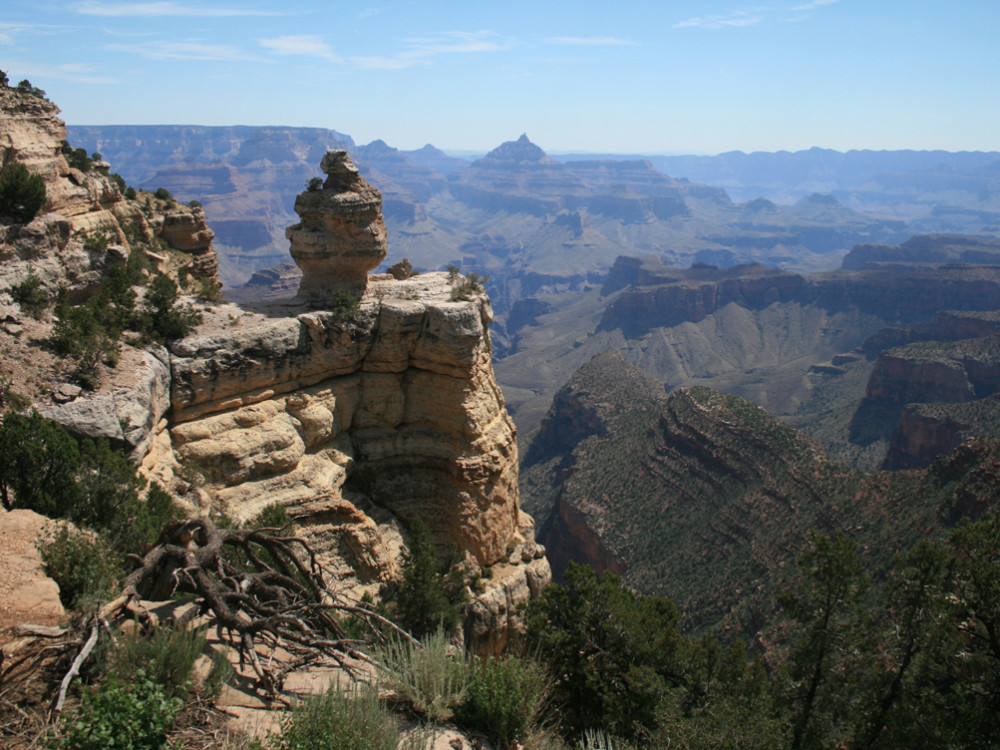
{"type": "Point", "coordinates": [345, 306]}
{"type": "Point", "coordinates": [163, 194]}
{"type": "Point", "coordinates": [163, 319]}
{"type": "Point", "coordinates": [346, 720]}
{"type": "Point", "coordinates": [121, 716]}
{"type": "Point", "coordinates": [22, 194]}
{"type": "Point", "coordinates": [76, 157]}
{"type": "Point", "coordinates": [210, 291]}
{"type": "Point", "coordinates": [613, 655]}
{"type": "Point", "coordinates": [96, 242]}
{"type": "Point", "coordinates": [130, 193]}
{"type": "Point", "coordinates": [469, 287]}
{"type": "Point", "coordinates": [86, 569]}
{"type": "Point", "coordinates": [503, 699]}
{"type": "Point", "coordinates": [427, 675]}
{"type": "Point", "coordinates": [31, 295]}
{"type": "Point", "coordinates": [38, 465]}
{"type": "Point", "coordinates": [430, 593]}
{"type": "Point", "coordinates": [44, 469]}
{"type": "Point", "coordinates": [166, 653]}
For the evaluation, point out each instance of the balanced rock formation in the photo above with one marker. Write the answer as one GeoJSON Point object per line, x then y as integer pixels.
{"type": "Point", "coordinates": [342, 234]}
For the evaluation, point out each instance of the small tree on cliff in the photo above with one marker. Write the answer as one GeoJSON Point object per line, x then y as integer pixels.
{"type": "Point", "coordinates": [429, 593]}
{"type": "Point", "coordinates": [22, 194]}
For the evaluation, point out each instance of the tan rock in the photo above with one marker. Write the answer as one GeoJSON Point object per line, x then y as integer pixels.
{"type": "Point", "coordinates": [404, 394]}
{"type": "Point", "coordinates": [342, 235]}
{"type": "Point", "coordinates": [81, 205]}
{"type": "Point", "coordinates": [27, 595]}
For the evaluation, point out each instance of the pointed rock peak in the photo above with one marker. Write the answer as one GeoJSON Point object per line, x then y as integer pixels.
{"type": "Point", "coordinates": [379, 147]}
{"type": "Point", "coordinates": [518, 152]}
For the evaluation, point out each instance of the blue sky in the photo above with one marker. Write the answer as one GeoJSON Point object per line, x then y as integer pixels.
{"type": "Point", "coordinates": [663, 76]}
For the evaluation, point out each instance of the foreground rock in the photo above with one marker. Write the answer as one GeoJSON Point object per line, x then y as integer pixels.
{"type": "Point", "coordinates": [27, 595]}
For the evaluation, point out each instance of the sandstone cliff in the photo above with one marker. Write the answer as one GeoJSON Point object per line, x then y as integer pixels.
{"type": "Point", "coordinates": [86, 224]}
{"type": "Point", "coordinates": [358, 424]}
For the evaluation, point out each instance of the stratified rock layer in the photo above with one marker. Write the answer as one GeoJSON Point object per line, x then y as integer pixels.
{"type": "Point", "coordinates": [396, 402]}
{"type": "Point", "coordinates": [342, 234]}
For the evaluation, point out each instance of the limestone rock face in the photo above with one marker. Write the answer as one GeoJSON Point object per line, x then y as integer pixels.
{"type": "Point", "coordinates": [184, 229]}
{"type": "Point", "coordinates": [392, 411]}
{"type": "Point", "coordinates": [129, 411]}
{"type": "Point", "coordinates": [342, 234]}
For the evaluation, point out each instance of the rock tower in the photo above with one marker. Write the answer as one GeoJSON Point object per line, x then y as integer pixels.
{"type": "Point", "coordinates": [342, 234]}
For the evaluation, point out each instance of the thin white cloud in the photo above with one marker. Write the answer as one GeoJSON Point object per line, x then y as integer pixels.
{"type": "Point", "coordinates": [721, 20]}
{"type": "Point", "coordinates": [308, 45]}
{"type": "Point", "coordinates": [458, 41]}
{"type": "Point", "coordinates": [814, 4]}
{"type": "Point", "coordinates": [591, 41]}
{"type": "Point", "coordinates": [164, 8]}
{"type": "Point", "coordinates": [385, 63]}
{"type": "Point", "coordinates": [184, 51]}
{"type": "Point", "coordinates": [10, 31]}
{"type": "Point", "coordinates": [420, 51]}
{"type": "Point", "coordinates": [751, 16]}
{"type": "Point", "coordinates": [73, 72]}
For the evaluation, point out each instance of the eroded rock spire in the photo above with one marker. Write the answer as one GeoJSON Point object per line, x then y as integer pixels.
{"type": "Point", "coordinates": [342, 234]}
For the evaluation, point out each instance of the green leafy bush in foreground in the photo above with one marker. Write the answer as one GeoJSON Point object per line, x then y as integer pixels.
{"type": "Point", "coordinates": [167, 654]}
{"type": "Point", "coordinates": [504, 698]}
{"type": "Point", "coordinates": [121, 716]}
{"type": "Point", "coordinates": [81, 563]}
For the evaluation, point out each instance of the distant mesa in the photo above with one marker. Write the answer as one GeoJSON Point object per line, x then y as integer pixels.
{"type": "Point", "coordinates": [342, 234]}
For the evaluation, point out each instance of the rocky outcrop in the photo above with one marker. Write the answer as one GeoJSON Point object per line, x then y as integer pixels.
{"type": "Point", "coordinates": [358, 417]}
{"type": "Point", "coordinates": [358, 424]}
{"type": "Point", "coordinates": [129, 412]}
{"type": "Point", "coordinates": [87, 225]}
{"type": "Point", "coordinates": [924, 250]}
{"type": "Point", "coordinates": [669, 297]}
{"type": "Point", "coordinates": [342, 234]}
{"type": "Point", "coordinates": [927, 397]}
{"type": "Point", "coordinates": [27, 595]}
{"type": "Point", "coordinates": [401, 395]}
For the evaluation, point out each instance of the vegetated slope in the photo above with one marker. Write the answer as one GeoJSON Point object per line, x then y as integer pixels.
{"type": "Point", "coordinates": [703, 497]}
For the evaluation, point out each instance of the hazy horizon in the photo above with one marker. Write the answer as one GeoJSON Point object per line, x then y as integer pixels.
{"type": "Point", "coordinates": [687, 77]}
